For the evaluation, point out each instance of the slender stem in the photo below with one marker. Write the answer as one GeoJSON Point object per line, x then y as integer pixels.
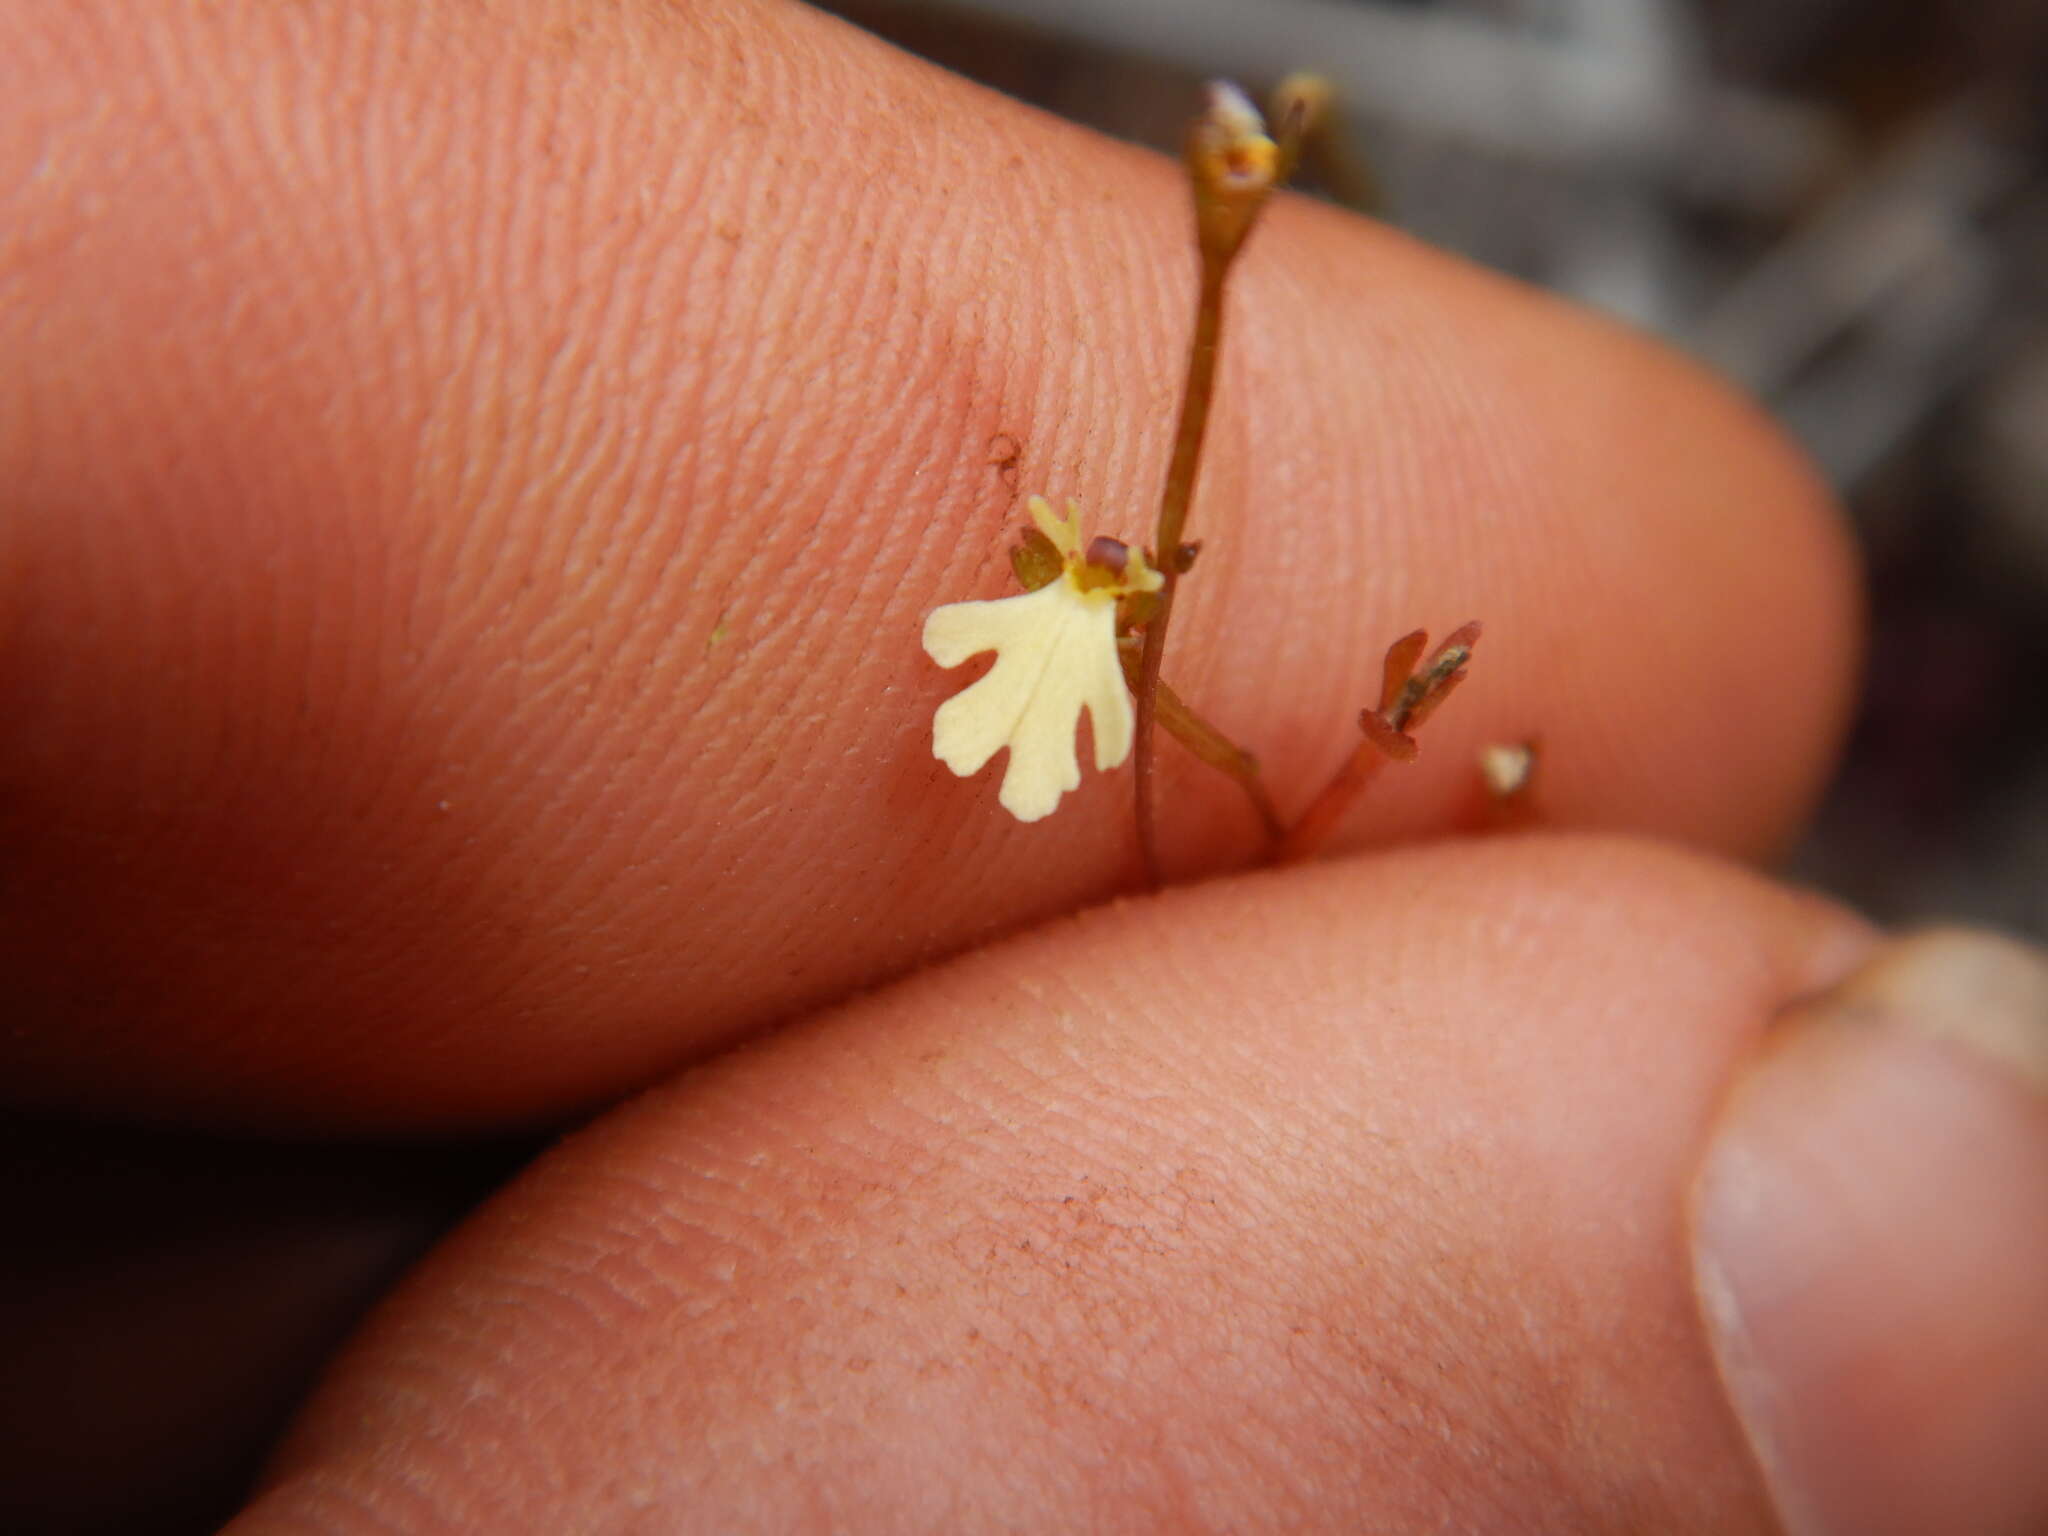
{"type": "Point", "coordinates": [1173, 519]}
{"type": "Point", "coordinates": [1232, 168]}
{"type": "Point", "coordinates": [1328, 808]}
{"type": "Point", "coordinates": [1179, 720]}
{"type": "Point", "coordinates": [1194, 409]}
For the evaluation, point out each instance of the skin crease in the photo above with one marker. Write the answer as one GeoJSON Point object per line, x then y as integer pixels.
{"type": "Point", "coordinates": [476, 473]}
{"type": "Point", "coordinates": [1346, 1199]}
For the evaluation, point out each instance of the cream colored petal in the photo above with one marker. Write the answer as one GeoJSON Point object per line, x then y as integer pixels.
{"type": "Point", "coordinates": [960, 630]}
{"type": "Point", "coordinates": [1024, 631]}
{"type": "Point", "coordinates": [1043, 765]}
{"type": "Point", "coordinates": [972, 727]}
{"type": "Point", "coordinates": [1055, 655]}
{"type": "Point", "coordinates": [1107, 696]}
{"type": "Point", "coordinates": [1065, 532]}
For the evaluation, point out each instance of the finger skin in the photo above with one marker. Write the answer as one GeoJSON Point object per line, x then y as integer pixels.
{"type": "Point", "coordinates": [476, 475]}
{"type": "Point", "coordinates": [1348, 1199]}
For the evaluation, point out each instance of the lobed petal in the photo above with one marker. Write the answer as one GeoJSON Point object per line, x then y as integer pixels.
{"type": "Point", "coordinates": [1024, 632]}
{"type": "Point", "coordinates": [1107, 698]}
{"type": "Point", "coordinates": [960, 630]}
{"type": "Point", "coordinates": [1042, 765]}
{"type": "Point", "coordinates": [1055, 656]}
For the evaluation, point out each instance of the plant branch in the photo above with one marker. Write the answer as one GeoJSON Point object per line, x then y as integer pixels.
{"type": "Point", "coordinates": [1210, 745]}
{"type": "Point", "coordinates": [1232, 166]}
{"type": "Point", "coordinates": [1409, 695]}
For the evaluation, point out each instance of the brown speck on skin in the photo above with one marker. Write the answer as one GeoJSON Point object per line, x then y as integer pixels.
{"type": "Point", "coordinates": [1005, 452]}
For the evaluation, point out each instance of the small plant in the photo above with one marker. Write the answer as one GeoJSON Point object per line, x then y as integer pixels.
{"type": "Point", "coordinates": [1089, 629]}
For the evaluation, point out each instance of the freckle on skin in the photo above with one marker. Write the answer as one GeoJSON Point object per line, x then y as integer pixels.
{"type": "Point", "coordinates": [1006, 452]}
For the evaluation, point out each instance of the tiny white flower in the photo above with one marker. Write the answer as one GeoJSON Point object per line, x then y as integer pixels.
{"type": "Point", "coordinates": [1055, 656]}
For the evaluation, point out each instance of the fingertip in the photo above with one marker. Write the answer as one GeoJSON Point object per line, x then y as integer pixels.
{"type": "Point", "coordinates": [1869, 1245]}
{"type": "Point", "coordinates": [1354, 1192]}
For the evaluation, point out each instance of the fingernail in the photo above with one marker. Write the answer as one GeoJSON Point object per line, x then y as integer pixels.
{"type": "Point", "coordinates": [1870, 1236]}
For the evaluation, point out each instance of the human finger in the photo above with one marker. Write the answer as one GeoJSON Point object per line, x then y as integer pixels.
{"type": "Point", "coordinates": [476, 476]}
{"type": "Point", "coordinates": [1351, 1198]}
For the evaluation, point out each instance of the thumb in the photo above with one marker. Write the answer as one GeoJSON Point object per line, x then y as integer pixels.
{"type": "Point", "coordinates": [1871, 1232]}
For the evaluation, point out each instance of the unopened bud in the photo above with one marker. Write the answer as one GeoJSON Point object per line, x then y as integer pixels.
{"type": "Point", "coordinates": [1234, 166]}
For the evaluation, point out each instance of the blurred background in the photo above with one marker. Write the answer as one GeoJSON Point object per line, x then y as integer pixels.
{"type": "Point", "coordinates": [1842, 205]}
